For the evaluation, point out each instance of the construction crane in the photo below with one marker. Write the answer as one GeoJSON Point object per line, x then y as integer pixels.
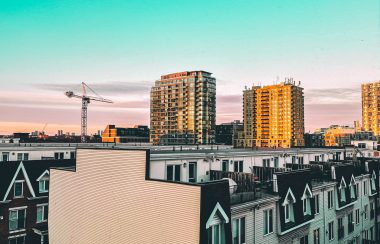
{"type": "Point", "coordinates": [85, 101]}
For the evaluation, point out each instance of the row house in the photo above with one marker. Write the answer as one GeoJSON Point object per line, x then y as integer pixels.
{"type": "Point", "coordinates": [26, 153]}
{"type": "Point", "coordinates": [195, 165]}
{"type": "Point", "coordinates": [24, 190]}
{"type": "Point", "coordinates": [319, 202]}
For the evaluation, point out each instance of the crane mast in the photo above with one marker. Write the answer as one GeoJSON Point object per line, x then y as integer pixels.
{"type": "Point", "coordinates": [85, 101]}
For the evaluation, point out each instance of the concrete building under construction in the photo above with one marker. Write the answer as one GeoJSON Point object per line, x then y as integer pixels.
{"type": "Point", "coordinates": [182, 109]}
{"type": "Point", "coordinates": [274, 115]}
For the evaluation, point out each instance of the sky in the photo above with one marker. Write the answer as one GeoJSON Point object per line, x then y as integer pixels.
{"type": "Point", "coordinates": [120, 47]}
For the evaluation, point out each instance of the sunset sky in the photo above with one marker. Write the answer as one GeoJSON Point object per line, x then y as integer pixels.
{"type": "Point", "coordinates": [120, 47]}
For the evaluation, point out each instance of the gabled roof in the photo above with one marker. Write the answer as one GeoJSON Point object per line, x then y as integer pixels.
{"type": "Point", "coordinates": [21, 169]}
{"type": "Point", "coordinates": [32, 171]}
{"type": "Point", "coordinates": [217, 210]}
{"type": "Point", "coordinates": [306, 193]}
{"type": "Point", "coordinates": [289, 194]}
{"type": "Point", "coordinates": [352, 181]}
{"type": "Point", "coordinates": [342, 183]}
{"type": "Point", "coordinates": [46, 172]}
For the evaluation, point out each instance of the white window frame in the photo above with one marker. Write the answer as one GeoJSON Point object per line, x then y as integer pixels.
{"type": "Point", "coordinates": [43, 206]}
{"type": "Point", "coordinates": [239, 229]}
{"type": "Point", "coordinates": [288, 206]}
{"type": "Point", "coordinates": [330, 199]}
{"type": "Point", "coordinates": [221, 233]}
{"type": "Point", "coordinates": [306, 203]}
{"type": "Point", "coordinates": [365, 188]}
{"type": "Point", "coordinates": [317, 239]}
{"type": "Point", "coordinates": [357, 216]}
{"type": "Point", "coordinates": [22, 188]}
{"type": "Point", "coordinates": [17, 209]}
{"type": "Point", "coordinates": [316, 204]}
{"type": "Point", "coordinates": [331, 231]}
{"type": "Point", "coordinates": [268, 224]}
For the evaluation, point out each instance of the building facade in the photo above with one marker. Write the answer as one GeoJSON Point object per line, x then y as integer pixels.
{"type": "Point", "coordinates": [24, 190]}
{"type": "Point", "coordinates": [274, 115]}
{"type": "Point", "coordinates": [182, 109]}
{"type": "Point", "coordinates": [330, 201]}
{"type": "Point", "coordinates": [370, 107]}
{"type": "Point", "coordinates": [137, 134]}
{"type": "Point", "coordinates": [338, 136]}
{"type": "Point", "coordinates": [226, 132]}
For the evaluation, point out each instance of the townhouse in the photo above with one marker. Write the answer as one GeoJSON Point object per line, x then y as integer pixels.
{"type": "Point", "coordinates": [24, 190]}
{"type": "Point", "coordinates": [215, 197]}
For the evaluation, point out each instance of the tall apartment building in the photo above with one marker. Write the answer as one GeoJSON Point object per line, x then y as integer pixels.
{"type": "Point", "coordinates": [274, 115]}
{"type": "Point", "coordinates": [371, 107]}
{"type": "Point", "coordinates": [182, 109]}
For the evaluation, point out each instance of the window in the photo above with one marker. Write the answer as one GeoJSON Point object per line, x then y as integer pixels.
{"type": "Point", "coordinates": [365, 188]}
{"type": "Point", "coordinates": [276, 165]}
{"type": "Point", "coordinates": [331, 231]}
{"type": "Point", "coordinates": [72, 155]}
{"type": "Point", "coordinates": [268, 221]}
{"type": "Point", "coordinates": [340, 228]}
{"type": "Point", "coordinates": [18, 188]}
{"type": "Point", "coordinates": [357, 216]}
{"type": "Point", "coordinates": [266, 162]}
{"type": "Point", "coordinates": [288, 206]}
{"type": "Point", "coordinates": [316, 204]}
{"type": "Point", "coordinates": [173, 172]}
{"type": "Point", "coordinates": [316, 235]}
{"type": "Point", "coordinates": [342, 190]}
{"type": "Point", "coordinates": [43, 185]}
{"type": "Point", "coordinates": [330, 199]}
{"type": "Point", "coordinates": [215, 234]}
{"type": "Point", "coordinates": [304, 240]}
{"type": "Point", "coordinates": [225, 165]}
{"type": "Point", "coordinates": [22, 156]}
{"type": "Point", "coordinates": [371, 232]}
{"type": "Point", "coordinates": [300, 160]}
{"type": "Point", "coordinates": [17, 219]}
{"type": "Point", "coordinates": [5, 156]}
{"type": "Point", "coordinates": [316, 158]}
{"type": "Point", "coordinates": [293, 159]}
{"type": "Point", "coordinates": [372, 210]}
{"type": "Point", "coordinates": [16, 240]}
{"type": "Point", "coordinates": [238, 231]}
{"type": "Point", "coordinates": [353, 188]}
{"type": "Point", "coordinates": [366, 211]}
{"type": "Point", "coordinates": [350, 218]}
{"type": "Point", "coordinates": [238, 166]}
{"type": "Point", "coordinates": [42, 213]}
{"type": "Point", "coordinates": [192, 172]}
{"type": "Point", "coordinates": [59, 155]}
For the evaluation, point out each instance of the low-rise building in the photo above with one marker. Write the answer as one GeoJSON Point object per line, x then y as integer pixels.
{"type": "Point", "coordinates": [137, 134]}
{"type": "Point", "coordinates": [226, 132]}
{"type": "Point", "coordinates": [24, 190]}
{"type": "Point", "coordinates": [320, 202]}
{"type": "Point", "coordinates": [338, 136]}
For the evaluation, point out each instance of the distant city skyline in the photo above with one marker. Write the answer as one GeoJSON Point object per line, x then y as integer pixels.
{"type": "Point", "coordinates": [120, 48]}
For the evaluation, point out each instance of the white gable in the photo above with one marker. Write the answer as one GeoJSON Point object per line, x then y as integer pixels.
{"type": "Point", "coordinates": [22, 169]}
{"type": "Point", "coordinates": [218, 215]}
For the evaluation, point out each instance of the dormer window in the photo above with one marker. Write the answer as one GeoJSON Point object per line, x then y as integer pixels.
{"type": "Point", "coordinates": [18, 188]}
{"type": "Point", "coordinates": [353, 188]}
{"type": "Point", "coordinates": [43, 182]}
{"type": "Point", "coordinates": [342, 190]}
{"type": "Point", "coordinates": [215, 225]}
{"type": "Point", "coordinates": [288, 205]}
{"type": "Point", "coordinates": [306, 200]}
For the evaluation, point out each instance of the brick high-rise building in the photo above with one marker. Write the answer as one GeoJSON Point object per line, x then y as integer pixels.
{"type": "Point", "coordinates": [371, 107]}
{"type": "Point", "coordinates": [182, 109]}
{"type": "Point", "coordinates": [274, 115]}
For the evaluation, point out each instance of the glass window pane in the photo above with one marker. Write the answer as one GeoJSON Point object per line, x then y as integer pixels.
{"type": "Point", "coordinates": [242, 230]}
{"type": "Point", "coordinates": [216, 234]}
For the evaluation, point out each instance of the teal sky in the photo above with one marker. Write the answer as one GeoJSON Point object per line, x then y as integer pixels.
{"type": "Point", "coordinates": [332, 46]}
